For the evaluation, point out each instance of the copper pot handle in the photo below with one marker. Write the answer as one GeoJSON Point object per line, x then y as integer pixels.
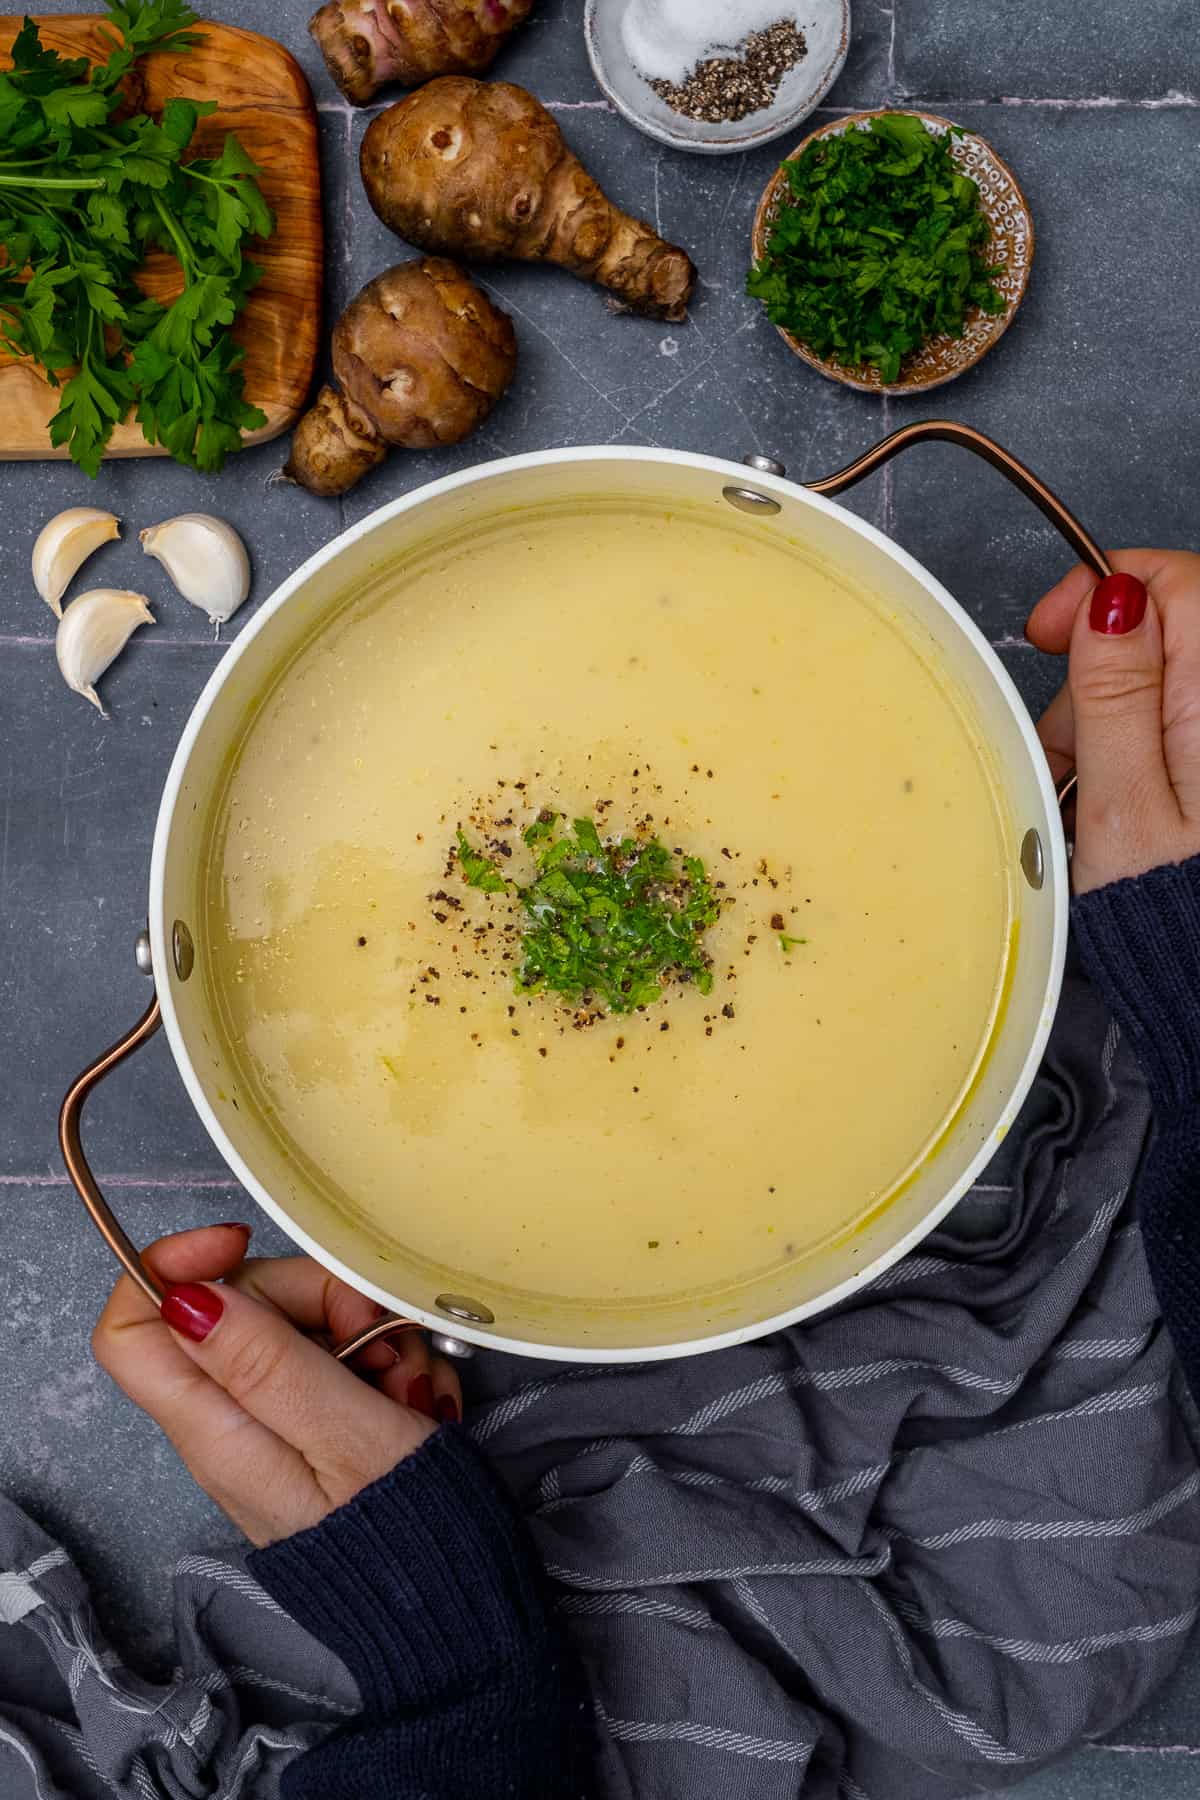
{"type": "Point", "coordinates": [948, 431]}
{"type": "Point", "coordinates": [70, 1121]}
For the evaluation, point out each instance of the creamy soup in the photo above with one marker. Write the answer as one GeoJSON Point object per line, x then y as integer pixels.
{"type": "Point", "coordinates": [711, 685]}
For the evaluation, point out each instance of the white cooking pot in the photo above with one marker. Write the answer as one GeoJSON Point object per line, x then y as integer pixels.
{"type": "Point", "coordinates": [462, 1306]}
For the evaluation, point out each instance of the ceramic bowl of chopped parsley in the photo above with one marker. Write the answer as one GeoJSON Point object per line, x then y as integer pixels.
{"type": "Point", "coordinates": [891, 250]}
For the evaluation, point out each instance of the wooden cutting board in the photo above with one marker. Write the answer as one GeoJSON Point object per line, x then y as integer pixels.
{"type": "Point", "coordinates": [265, 99]}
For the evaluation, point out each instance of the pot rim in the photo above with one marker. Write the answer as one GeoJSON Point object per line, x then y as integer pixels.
{"type": "Point", "coordinates": [738, 472]}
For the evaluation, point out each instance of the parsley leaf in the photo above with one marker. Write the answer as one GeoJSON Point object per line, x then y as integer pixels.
{"type": "Point", "coordinates": [31, 58]}
{"type": "Point", "coordinates": [879, 246]}
{"type": "Point", "coordinates": [146, 25]}
{"type": "Point", "coordinates": [225, 206]}
{"type": "Point", "coordinates": [96, 396]}
{"type": "Point", "coordinates": [74, 106]}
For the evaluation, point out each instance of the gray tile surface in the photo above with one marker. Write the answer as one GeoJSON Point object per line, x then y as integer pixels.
{"type": "Point", "coordinates": [1095, 384]}
{"type": "Point", "coordinates": [1127, 1772]}
{"type": "Point", "coordinates": [79, 799]}
{"type": "Point", "coordinates": [1055, 49]}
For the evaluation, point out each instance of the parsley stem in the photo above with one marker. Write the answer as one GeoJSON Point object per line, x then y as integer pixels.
{"type": "Point", "coordinates": [72, 182]}
{"type": "Point", "coordinates": [182, 248]}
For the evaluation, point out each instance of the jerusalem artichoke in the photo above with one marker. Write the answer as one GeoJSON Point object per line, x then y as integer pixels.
{"type": "Point", "coordinates": [420, 356]}
{"type": "Point", "coordinates": [367, 43]}
{"type": "Point", "coordinates": [480, 170]}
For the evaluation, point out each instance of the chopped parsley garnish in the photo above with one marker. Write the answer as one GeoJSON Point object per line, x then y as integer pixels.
{"type": "Point", "coordinates": [879, 247]}
{"type": "Point", "coordinates": [610, 924]}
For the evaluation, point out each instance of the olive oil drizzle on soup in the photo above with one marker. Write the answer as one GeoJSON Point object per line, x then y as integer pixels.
{"type": "Point", "coordinates": [711, 685]}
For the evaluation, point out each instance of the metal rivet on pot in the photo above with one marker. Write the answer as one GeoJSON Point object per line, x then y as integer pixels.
{"type": "Point", "coordinates": [1033, 861]}
{"type": "Point", "coordinates": [769, 465]}
{"type": "Point", "coordinates": [451, 1346]}
{"type": "Point", "coordinates": [748, 500]}
{"type": "Point", "coordinates": [182, 949]}
{"type": "Point", "coordinates": [458, 1306]}
{"type": "Point", "coordinates": [141, 953]}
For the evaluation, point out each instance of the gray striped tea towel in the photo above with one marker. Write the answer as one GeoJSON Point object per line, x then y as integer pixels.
{"type": "Point", "coordinates": [251, 1690]}
{"type": "Point", "coordinates": [914, 1548]}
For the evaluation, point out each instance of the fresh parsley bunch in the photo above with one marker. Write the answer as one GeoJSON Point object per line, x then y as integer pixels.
{"type": "Point", "coordinates": [880, 247]}
{"type": "Point", "coordinates": [84, 195]}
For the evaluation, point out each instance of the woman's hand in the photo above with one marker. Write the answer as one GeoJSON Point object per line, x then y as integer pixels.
{"type": "Point", "coordinates": [1128, 716]}
{"type": "Point", "coordinates": [275, 1429]}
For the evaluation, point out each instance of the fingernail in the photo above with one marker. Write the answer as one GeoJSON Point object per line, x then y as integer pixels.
{"type": "Point", "coordinates": [235, 1225]}
{"type": "Point", "coordinates": [420, 1395]}
{"type": "Point", "coordinates": [445, 1410]}
{"type": "Point", "coordinates": [1118, 605]}
{"type": "Point", "coordinates": [191, 1310]}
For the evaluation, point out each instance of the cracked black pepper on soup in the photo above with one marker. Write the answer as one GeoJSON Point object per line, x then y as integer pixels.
{"type": "Point", "coordinates": [610, 901]}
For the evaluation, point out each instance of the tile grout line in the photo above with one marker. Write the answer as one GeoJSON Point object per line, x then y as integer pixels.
{"type": "Point", "coordinates": [1008, 641]}
{"type": "Point", "coordinates": [347, 225]}
{"type": "Point", "coordinates": [334, 108]}
{"type": "Point", "coordinates": [184, 1180]}
{"type": "Point", "coordinates": [24, 641]}
{"type": "Point", "coordinates": [12, 641]}
{"type": "Point", "coordinates": [1173, 98]}
{"type": "Point", "coordinates": [1172, 101]}
{"type": "Point", "coordinates": [128, 1183]}
{"type": "Point", "coordinates": [229, 1184]}
{"type": "Point", "coordinates": [1150, 103]}
{"type": "Point", "coordinates": [1143, 1749]}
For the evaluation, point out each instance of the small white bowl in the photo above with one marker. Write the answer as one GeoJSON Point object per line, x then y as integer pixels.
{"type": "Point", "coordinates": [826, 28]}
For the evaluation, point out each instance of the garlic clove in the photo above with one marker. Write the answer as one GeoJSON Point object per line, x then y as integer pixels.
{"type": "Point", "coordinates": [205, 558]}
{"type": "Point", "coordinates": [91, 634]}
{"type": "Point", "coordinates": [63, 545]}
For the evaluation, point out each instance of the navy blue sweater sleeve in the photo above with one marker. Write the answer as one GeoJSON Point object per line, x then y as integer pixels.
{"type": "Point", "coordinates": [1140, 943]}
{"type": "Point", "coordinates": [427, 1587]}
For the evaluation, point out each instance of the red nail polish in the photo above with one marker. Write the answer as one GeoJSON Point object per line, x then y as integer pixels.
{"type": "Point", "coordinates": [445, 1410]}
{"type": "Point", "coordinates": [191, 1310]}
{"type": "Point", "coordinates": [1118, 605]}
{"type": "Point", "coordinates": [420, 1395]}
